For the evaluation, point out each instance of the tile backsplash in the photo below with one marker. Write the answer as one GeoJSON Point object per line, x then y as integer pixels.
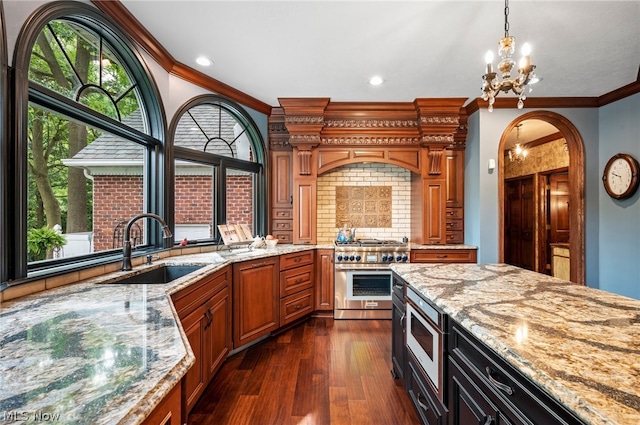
{"type": "Point", "coordinates": [378, 175]}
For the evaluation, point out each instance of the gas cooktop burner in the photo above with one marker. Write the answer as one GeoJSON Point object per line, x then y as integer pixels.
{"type": "Point", "coordinates": [372, 242]}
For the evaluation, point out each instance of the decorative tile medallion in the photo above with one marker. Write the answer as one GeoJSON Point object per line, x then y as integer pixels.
{"type": "Point", "coordinates": [363, 206]}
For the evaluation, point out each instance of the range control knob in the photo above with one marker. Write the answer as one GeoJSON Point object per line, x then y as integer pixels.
{"type": "Point", "coordinates": [405, 257]}
{"type": "Point", "coordinates": [399, 258]}
{"type": "Point", "coordinates": [384, 257]}
{"type": "Point", "coordinates": [358, 258]}
{"type": "Point", "coordinates": [339, 257]}
{"type": "Point", "coordinates": [390, 258]}
{"type": "Point", "coordinates": [351, 258]}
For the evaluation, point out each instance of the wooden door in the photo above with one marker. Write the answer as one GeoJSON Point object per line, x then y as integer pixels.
{"type": "Point", "coordinates": [520, 223]}
{"type": "Point", "coordinates": [559, 208]}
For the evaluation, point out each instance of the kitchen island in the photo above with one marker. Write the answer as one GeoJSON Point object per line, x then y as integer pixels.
{"type": "Point", "coordinates": [98, 352]}
{"type": "Point", "coordinates": [579, 345]}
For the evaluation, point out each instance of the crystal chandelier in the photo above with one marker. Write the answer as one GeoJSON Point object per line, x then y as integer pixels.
{"type": "Point", "coordinates": [518, 153]}
{"type": "Point", "coordinates": [492, 85]}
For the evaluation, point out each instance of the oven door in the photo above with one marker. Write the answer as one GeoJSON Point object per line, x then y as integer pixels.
{"type": "Point", "coordinates": [424, 340]}
{"type": "Point", "coordinates": [365, 285]}
{"type": "Point", "coordinates": [363, 289]}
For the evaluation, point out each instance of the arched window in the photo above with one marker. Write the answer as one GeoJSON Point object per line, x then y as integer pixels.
{"type": "Point", "coordinates": [5, 172]}
{"type": "Point", "coordinates": [89, 135]}
{"type": "Point", "coordinates": [219, 173]}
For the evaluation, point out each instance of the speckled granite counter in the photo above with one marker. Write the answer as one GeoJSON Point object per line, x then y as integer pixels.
{"type": "Point", "coordinates": [580, 344]}
{"type": "Point", "coordinates": [95, 353]}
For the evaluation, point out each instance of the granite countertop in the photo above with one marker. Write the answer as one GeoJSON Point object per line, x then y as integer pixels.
{"type": "Point", "coordinates": [96, 352]}
{"type": "Point", "coordinates": [579, 344]}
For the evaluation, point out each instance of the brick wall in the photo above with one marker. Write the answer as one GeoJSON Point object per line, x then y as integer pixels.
{"type": "Point", "coordinates": [115, 199]}
{"type": "Point", "coordinates": [240, 199]}
{"type": "Point", "coordinates": [375, 174]}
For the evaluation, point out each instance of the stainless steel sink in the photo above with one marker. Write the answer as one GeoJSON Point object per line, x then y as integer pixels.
{"type": "Point", "coordinates": [162, 274]}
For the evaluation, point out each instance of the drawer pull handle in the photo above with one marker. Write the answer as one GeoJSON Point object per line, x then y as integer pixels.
{"type": "Point", "coordinates": [503, 387]}
{"type": "Point", "coordinates": [442, 256]}
{"type": "Point", "coordinates": [282, 213]}
{"type": "Point", "coordinates": [488, 420]}
{"type": "Point", "coordinates": [256, 265]}
{"type": "Point", "coordinates": [297, 260]}
{"type": "Point", "coordinates": [298, 307]}
{"type": "Point", "coordinates": [298, 280]}
{"type": "Point", "coordinates": [420, 403]}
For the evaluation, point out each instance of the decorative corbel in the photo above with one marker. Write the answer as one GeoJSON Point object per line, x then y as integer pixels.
{"type": "Point", "coordinates": [439, 121]}
{"type": "Point", "coordinates": [304, 120]}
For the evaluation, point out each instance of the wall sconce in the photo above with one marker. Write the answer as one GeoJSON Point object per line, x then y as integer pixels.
{"type": "Point", "coordinates": [492, 165]}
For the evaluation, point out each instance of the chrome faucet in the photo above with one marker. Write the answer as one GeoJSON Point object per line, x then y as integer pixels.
{"type": "Point", "coordinates": [126, 243]}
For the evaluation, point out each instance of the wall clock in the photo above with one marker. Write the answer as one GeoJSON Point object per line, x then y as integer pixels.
{"type": "Point", "coordinates": [620, 177]}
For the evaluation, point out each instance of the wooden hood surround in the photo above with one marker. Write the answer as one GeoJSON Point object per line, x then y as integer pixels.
{"type": "Point", "coordinates": [323, 135]}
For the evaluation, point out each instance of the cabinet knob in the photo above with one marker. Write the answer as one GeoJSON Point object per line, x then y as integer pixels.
{"type": "Point", "coordinates": [298, 307]}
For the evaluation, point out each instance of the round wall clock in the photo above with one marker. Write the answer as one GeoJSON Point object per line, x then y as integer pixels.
{"type": "Point", "coordinates": [620, 177]}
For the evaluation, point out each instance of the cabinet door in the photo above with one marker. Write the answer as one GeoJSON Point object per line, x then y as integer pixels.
{"type": "Point", "coordinates": [304, 212]}
{"type": "Point", "coordinates": [398, 345]}
{"type": "Point", "coordinates": [324, 280]}
{"type": "Point", "coordinates": [434, 212]}
{"type": "Point", "coordinates": [255, 299]}
{"type": "Point", "coordinates": [454, 174]}
{"type": "Point", "coordinates": [281, 180]}
{"type": "Point", "coordinates": [467, 404]}
{"type": "Point", "coordinates": [196, 378]}
{"type": "Point", "coordinates": [218, 331]}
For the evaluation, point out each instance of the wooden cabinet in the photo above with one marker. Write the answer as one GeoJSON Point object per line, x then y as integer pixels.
{"type": "Point", "coordinates": [168, 412]}
{"type": "Point", "coordinates": [443, 255]}
{"type": "Point", "coordinates": [398, 338]}
{"type": "Point", "coordinates": [325, 274]}
{"type": "Point", "coordinates": [454, 175]}
{"type": "Point", "coordinates": [485, 389]}
{"type": "Point", "coordinates": [297, 278]}
{"type": "Point", "coordinates": [204, 309]}
{"type": "Point", "coordinates": [255, 299]}
{"type": "Point", "coordinates": [282, 195]}
{"type": "Point", "coordinates": [304, 211]}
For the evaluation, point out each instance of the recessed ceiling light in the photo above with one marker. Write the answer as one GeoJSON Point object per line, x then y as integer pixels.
{"type": "Point", "coordinates": [376, 80]}
{"type": "Point", "coordinates": [201, 60]}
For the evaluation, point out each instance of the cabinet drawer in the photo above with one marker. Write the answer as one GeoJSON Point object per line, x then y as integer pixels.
{"type": "Point", "coordinates": [443, 256]}
{"type": "Point", "coordinates": [283, 237]}
{"type": "Point", "coordinates": [296, 306]}
{"type": "Point", "coordinates": [426, 403]}
{"type": "Point", "coordinates": [195, 295]}
{"type": "Point", "coordinates": [279, 214]}
{"type": "Point", "coordinates": [296, 259]}
{"type": "Point", "coordinates": [455, 236]}
{"type": "Point", "coordinates": [504, 385]}
{"type": "Point", "coordinates": [279, 225]}
{"type": "Point", "coordinates": [457, 213]}
{"type": "Point", "coordinates": [455, 225]}
{"type": "Point", "coordinates": [296, 279]}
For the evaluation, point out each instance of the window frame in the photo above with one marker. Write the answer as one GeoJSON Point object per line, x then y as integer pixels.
{"type": "Point", "coordinates": [223, 163]}
{"type": "Point", "coordinates": [15, 266]}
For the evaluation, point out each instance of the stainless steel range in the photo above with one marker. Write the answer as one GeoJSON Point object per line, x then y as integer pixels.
{"type": "Point", "coordinates": [363, 280]}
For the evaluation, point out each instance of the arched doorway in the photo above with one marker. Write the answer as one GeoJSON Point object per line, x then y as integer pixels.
{"type": "Point", "coordinates": [576, 172]}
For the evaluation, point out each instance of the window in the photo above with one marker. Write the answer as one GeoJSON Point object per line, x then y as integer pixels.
{"type": "Point", "coordinates": [219, 177]}
{"type": "Point", "coordinates": [90, 143]}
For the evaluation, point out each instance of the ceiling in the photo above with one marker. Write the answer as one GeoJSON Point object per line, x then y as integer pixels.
{"type": "Point", "coordinates": [271, 49]}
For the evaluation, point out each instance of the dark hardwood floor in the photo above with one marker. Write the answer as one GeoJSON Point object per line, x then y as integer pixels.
{"type": "Point", "coordinates": [319, 372]}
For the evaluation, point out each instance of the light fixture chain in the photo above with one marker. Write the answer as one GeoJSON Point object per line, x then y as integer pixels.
{"type": "Point", "coordinates": [506, 18]}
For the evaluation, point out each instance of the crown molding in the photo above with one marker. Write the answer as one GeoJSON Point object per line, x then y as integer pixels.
{"type": "Point", "coordinates": [621, 93]}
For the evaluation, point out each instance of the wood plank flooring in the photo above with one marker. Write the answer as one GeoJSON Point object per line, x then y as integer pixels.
{"type": "Point", "coordinates": [319, 372]}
